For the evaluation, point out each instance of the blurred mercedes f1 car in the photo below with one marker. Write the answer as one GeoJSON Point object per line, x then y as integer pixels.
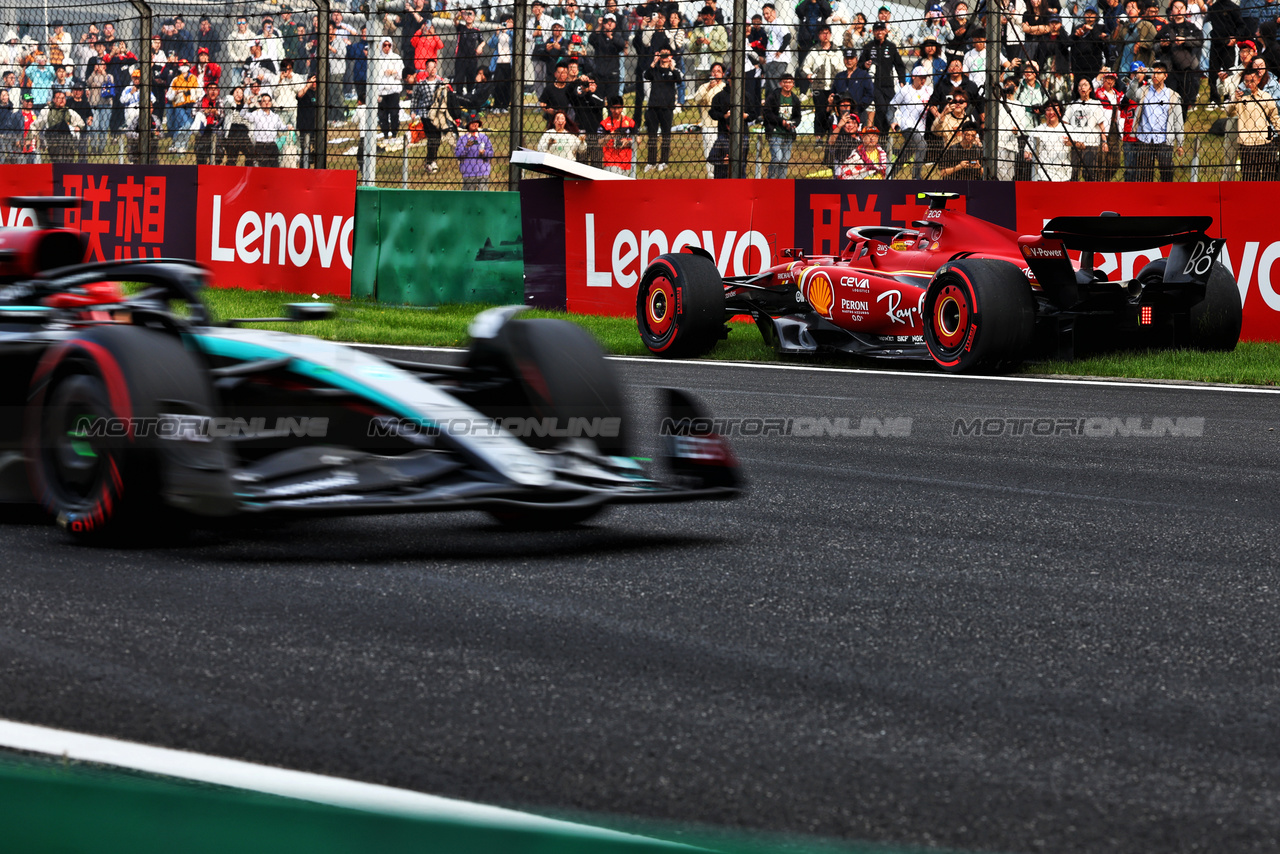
{"type": "Point", "coordinates": [961, 292]}
{"type": "Point", "coordinates": [129, 415]}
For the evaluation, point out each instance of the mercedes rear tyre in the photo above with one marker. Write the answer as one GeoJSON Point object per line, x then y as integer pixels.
{"type": "Point", "coordinates": [680, 306]}
{"type": "Point", "coordinates": [95, 454]}
{"type": "Point", "coordinates": [979, 316]}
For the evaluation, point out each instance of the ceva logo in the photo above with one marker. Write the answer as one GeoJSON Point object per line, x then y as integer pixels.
{"type": "Point", "coordinates": [629, 253]}
{"type": "Point", "coordinates": [269, 238]}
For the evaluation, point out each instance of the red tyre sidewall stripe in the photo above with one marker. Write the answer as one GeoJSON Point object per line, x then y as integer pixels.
{"type": "Point", "coordinates": [121, 406]}
{"type": "Point", "coordinates": [674, 275]}
{"type": "Point", "coordinates": [973, 314]}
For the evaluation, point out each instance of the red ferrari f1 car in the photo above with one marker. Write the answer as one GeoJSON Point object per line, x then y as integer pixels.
{"type": "Point", "coordinates": [961, 292]}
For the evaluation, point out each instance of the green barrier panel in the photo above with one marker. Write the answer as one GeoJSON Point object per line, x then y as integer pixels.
{"type": "Point", "coordinates": [364, 251]}
{"type": "Point", "coordinates": [433, 247]}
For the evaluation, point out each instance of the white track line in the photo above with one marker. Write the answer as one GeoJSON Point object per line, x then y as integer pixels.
{"type": "Point", "coordinates": [233, 773]}
{"type": "Point", "coordinates": [768, 366]}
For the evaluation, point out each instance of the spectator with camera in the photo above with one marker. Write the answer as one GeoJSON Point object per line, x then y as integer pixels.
{"type": "Point", "coordinates": [474, 152]}
{"type": "Point", "coordinates": [882, 58]}
{"type": "Point", "coordinates": [821, 66]}
{"type": "Point", "coordinates": [961, 161]}
{"type": "Point", "coordinates": [1086, 122]}
{"type": "Point", "coordinates": [265, 127]}
{"type": "Point", "coordinates": [855, 83]}
{"type": "Point", "coordinates": [663, 78]}
{"type": "Point", "coordinates": [386, 67]}
{"type": "Point", "coordinates": [1157, 123]}
{"type": "Point", "coordinates": [1179, 43]}
{"type": "Point", "coordinates": [608, 45]}
{"type": "Point", "coordinates": [702, 98]}
{"type": "Point", "coordinates": [617, 135]}
{"type": "Point", "coordinates": [468, 48]}
{"type": "Point", "coordinates": [1088, 47]}
{"type": "Point", "coordinates": [1258, 122]}
{"type": "Point", "coordinates": [1049, 147]}
{"type": "Point", "coordinates": [909, 115]}
{"type": "Point", "coordinates": [945, 131]}
{"type": "Point", "coordinates": [708, 44]}
{"type": "Point", "coordinates": [1012, 124]}
{"type": "Point", "coordinates": [501, 73]}
{"type": "Point", "coordinates": [781, 116]}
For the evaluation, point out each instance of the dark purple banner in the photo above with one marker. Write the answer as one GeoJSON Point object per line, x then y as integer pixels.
{"type": "Point", "coordinates": [542, 216]}
{"type": "Point", "coordinates": [826, 209]}
{"type": "Point", "coordinates": [131, 211]}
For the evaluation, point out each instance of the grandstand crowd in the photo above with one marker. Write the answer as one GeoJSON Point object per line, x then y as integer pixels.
{"type": "Point", "coordinates": [1122, 90]}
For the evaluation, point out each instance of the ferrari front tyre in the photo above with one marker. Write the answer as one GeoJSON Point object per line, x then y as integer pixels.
{"type": "Point", "coordinates": [979, 316]}
{"type": "Point", "coordinates": [680, 306]}
{"type": "Point", "coordinates": [91, 465]}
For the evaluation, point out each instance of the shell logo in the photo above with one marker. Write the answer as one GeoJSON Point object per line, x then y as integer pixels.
{"type": "Point", "coordinates": [821, 295]}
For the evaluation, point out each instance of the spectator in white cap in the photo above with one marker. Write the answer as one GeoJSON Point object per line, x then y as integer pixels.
{"type": "Point", "coordinates": [384, 72]}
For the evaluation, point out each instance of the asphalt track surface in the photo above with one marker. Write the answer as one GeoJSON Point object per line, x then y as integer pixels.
{"type": "Point", "coordinates": [1010, 643]}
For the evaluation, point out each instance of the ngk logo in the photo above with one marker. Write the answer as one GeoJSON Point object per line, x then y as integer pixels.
{"type": "Point", "coordinates": [270, 237]}
{"type": "Point", "coordinates": [620, 258]}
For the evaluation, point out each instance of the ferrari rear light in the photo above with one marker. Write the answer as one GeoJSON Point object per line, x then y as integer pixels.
{"type": "Point", "coordinates": [1144, 315]}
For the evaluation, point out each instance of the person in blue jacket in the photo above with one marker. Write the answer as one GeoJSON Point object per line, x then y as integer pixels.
{"type": "Point", "coordinates": [856, 84]}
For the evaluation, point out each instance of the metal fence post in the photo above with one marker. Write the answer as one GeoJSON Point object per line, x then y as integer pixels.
{"type": "Point", "coordinates": [322, 85]}
{"type": "Point", "coordinates": [737, 87]}
{"type": "Point", "coordinates": [144, 81]}
{"type": "Point", "coordinates": [991, 119]}
{"type": "Point", "coordinates": [519, 41]}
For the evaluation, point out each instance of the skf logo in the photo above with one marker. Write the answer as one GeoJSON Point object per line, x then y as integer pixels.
{"type": "Point", "coordinates": [821, 295]}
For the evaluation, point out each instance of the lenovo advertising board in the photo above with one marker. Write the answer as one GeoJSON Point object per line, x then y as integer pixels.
{"type": "Point", "coordinates": [613, 229]}
{"type": "Point", "coordinates": [277, 229]}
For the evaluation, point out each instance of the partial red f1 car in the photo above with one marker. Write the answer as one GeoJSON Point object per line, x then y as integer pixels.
{"type": "Point", "coordinates": [959, 291]}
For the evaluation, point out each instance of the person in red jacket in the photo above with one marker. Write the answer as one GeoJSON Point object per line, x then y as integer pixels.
{"type": "Point", "coordinates": [210, 73]}
{"type": "Point", "coordinates": [618, 133]}
{"type": "Point", "coordinates": [426, 45]}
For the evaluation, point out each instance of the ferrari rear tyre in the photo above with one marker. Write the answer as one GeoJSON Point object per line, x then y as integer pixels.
{"type": "Point", "coordinates": [92, 468]}
{"type": "Point", "coordinates": [680, 306]}
{"type": "Point", "coordinates": [979, 316]}
{"type": "Point", "coordinates": [1216, 320]}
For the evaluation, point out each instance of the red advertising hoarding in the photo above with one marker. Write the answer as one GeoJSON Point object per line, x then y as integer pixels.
{"type": "Point", "coordinates": [613, 229]}
{"type": "Point", "coordinates": [22, 180]}
{"type": "Point", "coordinates": [1251, 253]}
{"type": "Point", "coordinates": [277, 229]}
{"type": "Point", "coordinates": [1253, 248]}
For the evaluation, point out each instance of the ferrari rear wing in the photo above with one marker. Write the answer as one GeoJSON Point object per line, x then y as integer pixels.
{"type": "Point", "coordinates": [1125, 233]}
{"type": "Point", "coordinates": [1190, 259]}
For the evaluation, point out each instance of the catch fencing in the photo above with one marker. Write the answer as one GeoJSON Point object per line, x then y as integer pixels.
{"type": "Point", "coordinates": [388, 89]}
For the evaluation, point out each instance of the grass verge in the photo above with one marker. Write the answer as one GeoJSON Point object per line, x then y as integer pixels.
{"type": "Point", "coordinates": [363, 322]}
